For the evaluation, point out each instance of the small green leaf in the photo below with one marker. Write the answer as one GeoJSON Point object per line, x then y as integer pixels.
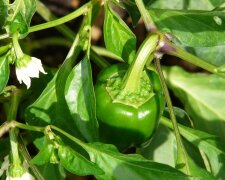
{"type": "Point", "coordinates": [20, 17]}
{"type": "Point", "coordinates": [118, 37]}
{"type": "Point", "coordinates": [192, 28]}
{"type": "Point", "coordinates": [44, 155]}
{"type": "Point", "coordinates": [4, 72]}
{"type": "Point", "coordinates": [77, 164]}
{"type": "Point", "coordinates": [18, 25]}
{"type": "Point", "coordinates": [80, 98]}
{"type": "Point", "coordinates": [133, 166]}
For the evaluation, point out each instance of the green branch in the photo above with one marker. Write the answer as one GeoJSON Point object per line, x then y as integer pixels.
{"type": "Point", "coordinates": [13, 132]}
{"type": "Point", "coordinates": [174, 50]}
{"type": "Point", "coordinates": [149, 23]}
{"type": "Point", "coordinates": [4, 36]}
{"type": "Point", "coordinates": [83, 9]}
{"type": "Point", "coordinates": [63, 29]}
{"type": "Point", "coordinates": [181, 152]}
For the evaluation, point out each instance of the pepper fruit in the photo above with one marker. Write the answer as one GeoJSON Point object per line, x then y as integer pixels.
{"type": "Point", "coordinates": [129, 100]}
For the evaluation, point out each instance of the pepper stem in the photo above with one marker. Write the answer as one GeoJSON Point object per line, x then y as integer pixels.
{"type": "Point", "coordinates": [144, 55]}
{"type": "Point", "coordinates": [16, 45]}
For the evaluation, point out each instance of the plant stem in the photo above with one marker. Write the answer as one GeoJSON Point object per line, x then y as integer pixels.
{"type": "Point", "coordinates": [28, 159]}
{"type": "Point", "coordinates": [76, 140]}
{"type": "Point", "coordinates": [16, 45]}
{"type": "Point", "coordinates": [99, 61]}
{"type": "Point", "coordinates": [83, 9]}
{"type": "Point", "coordinates": [44, 12]}
{"type": "Point", "coordinates": [29, 127]}
{"type": "Point", "coordinates": [56, 41]}
{"type": "Point", "coordinates": [11, 115]}
{"type": "Point", "coordinates": [133, 75]}
{"type": "Point", "coordinates": [4, 36]}
{"type": "Point", "coordinates": [4, 49]}
{"type": "Point", "coordinates": [149, 23]}
{"type": "Point", "coordinates": [167, 122]}
{"type": "Point", "coordinates": [172, 49]}
{"type": "Point", "coordinates": [63, 29]}
{"type": "Point", "coordinates": [104, 52]}
{"type": "Point", "coordinates": [181, 152]}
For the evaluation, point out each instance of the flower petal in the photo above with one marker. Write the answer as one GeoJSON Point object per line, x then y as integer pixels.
{"type": "Point", "coordinates": [25, 176]}
{"type": "Point", "coordinates": [27, 68]}
{"type": "Point", "coordinates": [5, 165]}
{"type": "Point", "coordinates": [31, 70]}
{"type": "Point", "coordinates": [39, 64]}
{"type": "Point", "coordinates": [19, 75]}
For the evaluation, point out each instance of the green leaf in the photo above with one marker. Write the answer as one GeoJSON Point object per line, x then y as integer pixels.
{"type": "Point", "coordinates": [163, 149]}
{"type": "Point", "coordinates": [44, 155]}
{"type": "Point", "coordinates": [217, 3]}
{"type": "Point", "coordinates": [133, 166]}
{"type": "Point", "coordinates": [4, 72]}
{"type": "Point", "coordinates": [118, 37]}
{"type": "Point", "coordinates": [51, 107]}
{"type": "Point", "coordinates": [76, 163]}
{"type": "Point", "coordinates": [211, 145]}
{"type": "Point", "coordinates": [214, 54]}
{"type": "Point", "coordinates": [199, 173]}
{"type": "Point", "coordinates": [80, 98]}
{"type": "Point", "coordinates": [183, 4]}
{"type": "Point", "coordinates": [51, 171]}
{"type": "Point", "coordinates": [203, 98]}
{"type": "Point", "coordinates": [192, 28]}
{"type": "Point", "coordinates": [21, 14]}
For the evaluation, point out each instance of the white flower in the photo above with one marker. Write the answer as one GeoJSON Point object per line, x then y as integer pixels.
{"type": "Point", "coordinates": [5, 165]}
{"type": "Point", "coordinates": [27, 68]}
{"type": "Point", "coordinates": [25, 176]}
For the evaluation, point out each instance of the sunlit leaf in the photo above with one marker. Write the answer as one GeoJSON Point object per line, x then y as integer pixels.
{"type": "Point", "coordinates": [118, 37]}
{"type": "Point", "coordinates": [76, 163]}
{"type": "Point", "coordinates": [80, 98]}
{"type": "Point", "coordinates": [192, 28]}
{"type": "Point", "coordinates": [120, 166]}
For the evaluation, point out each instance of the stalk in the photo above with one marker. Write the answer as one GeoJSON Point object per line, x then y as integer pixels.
{"type": "Point", "coordinates": [11, 115]}
{"type": "Point", "coordinates": [172, 49]}
{"type": "Point", "coordinates": [181, 152]}
{"type": "Point", "coordinates": [144, 55]}
{"type": "Point", "coordinates": [149, 23]}
{"type": "Point", "coordinates": [83, 9]}
{"type": "Point", "coordinates": [16, 45]}
{"type": "Point", "coordinates": [4, 36]}
{"type": "Point", "coordinates": [4, 49]}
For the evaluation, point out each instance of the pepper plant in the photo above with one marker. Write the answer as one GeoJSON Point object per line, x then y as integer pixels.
{"type": "Point", "coordinates": [115, 111]}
